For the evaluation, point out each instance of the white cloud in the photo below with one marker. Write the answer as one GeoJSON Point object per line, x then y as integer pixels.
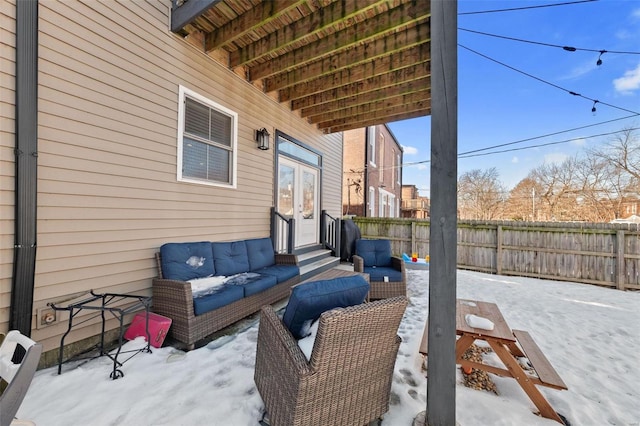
{"type": "Point", "coordinates": [629, 82]}
{"type": "Point", "coordinates": [515, 160]}
{"type": "Point", "coordinates": [422, 167]}
{"type": "Point", "coordinates": [410, 150]}
{"type": "Point", "coordinates": [556, 157]}
{"type": "Point", "coordinates": [579, 142]}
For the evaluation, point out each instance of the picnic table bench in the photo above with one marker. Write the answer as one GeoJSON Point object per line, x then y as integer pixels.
{"type": "Point", "coordinates": [508, 345]}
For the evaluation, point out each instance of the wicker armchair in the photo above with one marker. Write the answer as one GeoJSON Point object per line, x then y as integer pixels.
{"type": "Point", "coordinates": [347, 381]}
{"type": "Point", "coordinates": [374, 258]}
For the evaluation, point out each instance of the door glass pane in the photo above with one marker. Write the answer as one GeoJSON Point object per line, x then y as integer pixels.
{"type": "Point", "coordinates": [308, 194]}
{"type": "Point", "coordinates": [286, 186]}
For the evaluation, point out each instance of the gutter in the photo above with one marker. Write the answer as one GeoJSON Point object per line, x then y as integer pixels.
{"type": "Point", "coordinates": [26, 163]}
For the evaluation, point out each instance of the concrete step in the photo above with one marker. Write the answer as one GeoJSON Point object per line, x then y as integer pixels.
{"type": "Point", "coordinates": [320, 265]}
{"type": "Point", "coordinates": [313, 256]}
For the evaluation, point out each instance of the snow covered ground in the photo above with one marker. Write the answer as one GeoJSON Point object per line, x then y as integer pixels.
{"type": "Point", "coordinates": [591, 335]}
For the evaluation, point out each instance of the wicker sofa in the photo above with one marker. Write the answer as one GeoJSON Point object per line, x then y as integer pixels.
{"type": "Point", "coordinates": [347, 380]}
{"type": "Point", "coordinates": [193, 319]}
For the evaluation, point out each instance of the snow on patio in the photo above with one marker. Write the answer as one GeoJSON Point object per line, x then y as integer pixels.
{"type": "Point", "coordinates": [589, 334]}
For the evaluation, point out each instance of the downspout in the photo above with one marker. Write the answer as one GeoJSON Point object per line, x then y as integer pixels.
{"type": "Point", "coordinates": [366, 172]}
{"type": "Point", "coordinates": [26, 156]}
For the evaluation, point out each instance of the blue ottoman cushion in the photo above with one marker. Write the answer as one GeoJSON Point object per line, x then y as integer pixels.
{"type": "Point", "coordinates": [187, 261]}
{"type": "Point", "coordinates": [230, 258]}
{"type": "Point", "coordinates": [374, 252]}
{"type": "Point", "coordinates": [309, 300]}
{"type": "Point", "coordinates": [377, 274]}
{"type": "Point", "coordinates": [226, 295]}
{"type": "Point", "coordinates": [260, 252]}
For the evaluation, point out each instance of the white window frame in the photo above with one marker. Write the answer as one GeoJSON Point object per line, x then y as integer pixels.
{"type": "Point", "coordinates": [372, 201]}
{"type": "Point", "coordinates": [372, 145]}
{"type": "Point", "coordinates": [183, 93]}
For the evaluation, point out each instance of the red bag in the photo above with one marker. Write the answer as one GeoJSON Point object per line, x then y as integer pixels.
{"type": "Point", "coordinates": [158, 328]}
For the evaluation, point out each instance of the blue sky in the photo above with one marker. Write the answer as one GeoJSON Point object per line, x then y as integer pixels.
{"type": "Point", "coordinates": [498, 105]}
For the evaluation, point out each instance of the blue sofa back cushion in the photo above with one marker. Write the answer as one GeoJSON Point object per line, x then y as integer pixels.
{"type": "Point", "coordinates": [260, 252]}
{"type": "Point", "coordinates": [309, 300]}
{"type": "Point", "coordinates": [377, 274]}
{"type": "Point", "coordinates": [374, 252]}
{"type": "Point", "coordinates": [226, 295]}
{"type": "Point", "coordinates": [230, 258]}
{"type": "Point", "coordinates": [187, 261]}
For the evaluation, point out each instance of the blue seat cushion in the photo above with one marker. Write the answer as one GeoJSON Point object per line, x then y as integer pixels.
{"type": "Point", "coordinates": [281, 272]}
{"type": "Point", "coordinates": [258, 284]}
{"type": "Point", "coordinates": [309, 300]}
{"type": "Point", "coordinates": [260, 252]}
{"type": "Point", "coordinates": [187, 261]}
{"type": "Point", "coordinates": [230, 258]}
{"type": "Point", "coordinates": [378, 274]}
{"type": "Point", "coordinates": [374, 252]}
{"type": "Point", "coordinates": [225, 295]}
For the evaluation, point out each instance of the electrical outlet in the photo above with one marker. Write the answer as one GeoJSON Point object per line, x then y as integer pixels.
{"type": "Point", "coordinates": [46, 316]}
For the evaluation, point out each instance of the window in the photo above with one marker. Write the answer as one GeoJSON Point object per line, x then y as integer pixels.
{"type": "Point", "coordinates": [398, 169]}
{"type": "Point", "coordinates": [207, 141]}
{"type": "Point", "coordinates": [382, 162]}
{"type": "Point", "coordinates": [371, 152]}
{"type": "Point", "coordinates": [372, 201]}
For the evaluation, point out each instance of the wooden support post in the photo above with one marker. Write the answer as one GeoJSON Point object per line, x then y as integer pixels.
{"type": "Point", "coordinates": [441, 386]}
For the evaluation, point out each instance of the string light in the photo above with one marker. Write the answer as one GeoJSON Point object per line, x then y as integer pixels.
{"type": "Point", "coordinates": [593, 108]}
{"type": "Point", "coordinates": [599, 62]}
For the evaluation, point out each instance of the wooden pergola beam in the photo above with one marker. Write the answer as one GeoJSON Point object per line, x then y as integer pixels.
{"type": "Point", "coordinates": [248, 22]}
{"type": "Point", "coordinates": [358, 87]}
{"type": "Point", "coordinates": [306, 28]}
{"type": "Point", "coordinates": [390, 93]}
{"type": "Point", "coordinates": [373, 122]}
{"type": "Point", "coordinates": [370, 107]}
{"type": "Point", "coordinates": [188, 12]}
{"type": "Point", "coordinates": [378, 115]}
{"type": "Point", "coordinates": [296, 81]}
{"type": "Point", "coordinates": [341, 41]}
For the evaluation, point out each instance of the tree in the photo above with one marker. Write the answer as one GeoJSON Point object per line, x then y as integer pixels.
{"type": "Point", "coordinates": [558, 195]}
{"type": "Point", "coordinates": [522, 204]}
{"type": "Point", "coordinates": [480, 194]}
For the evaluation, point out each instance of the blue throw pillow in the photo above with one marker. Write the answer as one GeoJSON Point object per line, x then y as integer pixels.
{"type": "Point", "coordinates": [309, 300]}
{"type": "Point", "coordinates": [261, 253]}
{"type": "Point", "coordinates": [374, 252]}
{"type": "Point", "coordinates": [186, 261]}
{"type": "Point", "coordinates": [230, 258]}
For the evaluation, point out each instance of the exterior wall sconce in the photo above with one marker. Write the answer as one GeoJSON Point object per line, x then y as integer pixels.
{"type": "Point", "coordinates": [262, 137]}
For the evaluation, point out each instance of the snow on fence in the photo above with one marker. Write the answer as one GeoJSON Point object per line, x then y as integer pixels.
{"type": "Point", "coordinates": [595, 253]}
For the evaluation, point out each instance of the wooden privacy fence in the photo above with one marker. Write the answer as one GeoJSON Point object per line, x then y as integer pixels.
{"type": "Point", "coordinates": [594, 253]}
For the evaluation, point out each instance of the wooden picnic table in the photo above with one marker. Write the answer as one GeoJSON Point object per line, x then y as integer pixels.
{"type": "Point", "coordinates": [508, 345]}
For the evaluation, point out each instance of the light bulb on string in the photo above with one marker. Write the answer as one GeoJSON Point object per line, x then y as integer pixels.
{"type": "Point", "coordinates": [599, 61]}
{"type": "Point", "coordinates": [593, 108]}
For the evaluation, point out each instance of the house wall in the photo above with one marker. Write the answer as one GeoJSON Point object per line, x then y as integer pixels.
{"type": "Point", "coordinates": [7, 144]}
{"type": "Point", "coordinates": [108, 197]}
{"type": "Point", "coordinates": [353, 184]}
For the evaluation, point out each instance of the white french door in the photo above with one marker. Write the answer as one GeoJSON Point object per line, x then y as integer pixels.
{"type": "Point", "coordinates": [298, 188]}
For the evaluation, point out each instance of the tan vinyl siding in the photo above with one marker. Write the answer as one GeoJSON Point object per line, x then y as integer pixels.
{"type": "Point", "coordinates": [107, 190]}
{"type": "Point", "coordinates": [7, 164]}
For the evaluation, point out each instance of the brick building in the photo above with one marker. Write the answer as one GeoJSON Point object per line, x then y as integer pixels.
{"type": "Point", "coordinates": [372, 180]}
{"type": "Point", "coordinates": [413, 205]}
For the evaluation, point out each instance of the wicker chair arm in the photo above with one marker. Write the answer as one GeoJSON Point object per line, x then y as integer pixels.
{"type": "Point", "coordinates": [286, 259]}
{"type": "Point", "coordinates": [358, 263]}
{"type": "Point", "coordinates": [274, 339]}
{"type": "Point", "coordinates": [172, 297]}
{"type": "Point", "coordinates": [397, 263]}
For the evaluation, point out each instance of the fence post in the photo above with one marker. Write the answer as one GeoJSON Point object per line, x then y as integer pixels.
{"type": "Point", "coordinates": [499, 250]}
{"type": "Point", "coordinates": [413, 238]}
{"type": "Point", "coordinates": [620, 276]}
